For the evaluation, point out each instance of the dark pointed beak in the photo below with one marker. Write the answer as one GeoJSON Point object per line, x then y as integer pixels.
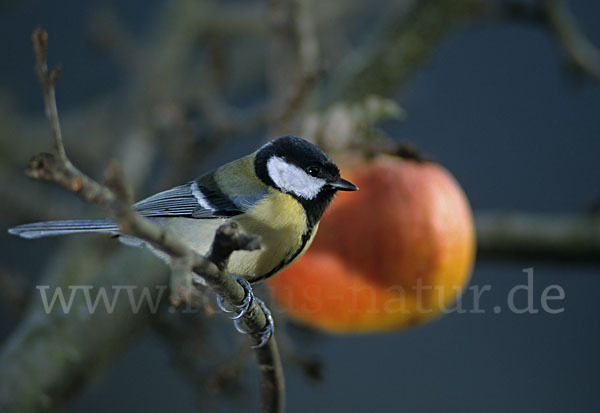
{"type": "Point", "coordinates": [343, 185]}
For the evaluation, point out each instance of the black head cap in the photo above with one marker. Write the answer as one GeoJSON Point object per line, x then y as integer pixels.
{"type": "Point", "coordinates": [298, 152]}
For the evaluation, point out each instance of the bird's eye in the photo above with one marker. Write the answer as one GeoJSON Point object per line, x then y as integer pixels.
{"type": "Point", "coordinates": [313, 170]}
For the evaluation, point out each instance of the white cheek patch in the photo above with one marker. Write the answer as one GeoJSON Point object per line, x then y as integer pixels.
{"type": "Point", "coordinates": [290, 178]}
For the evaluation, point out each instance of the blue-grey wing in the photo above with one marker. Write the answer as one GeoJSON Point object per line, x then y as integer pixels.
{"type": "Point", "coordinates": [195, 201]}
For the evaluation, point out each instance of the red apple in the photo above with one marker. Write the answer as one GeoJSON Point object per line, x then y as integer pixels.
{"type": "Point", "coordinates": [394, 254]}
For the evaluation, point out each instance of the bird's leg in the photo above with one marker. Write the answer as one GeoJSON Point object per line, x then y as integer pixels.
{"type": "Point", "coordinates": [245, 305]}
{"type": "Point", "coordinates": [266, 334]}
{"type": "Point", "coordinates": [243, 309]}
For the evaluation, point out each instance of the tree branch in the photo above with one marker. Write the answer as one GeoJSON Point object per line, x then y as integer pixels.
{"type": "Point", "coordinates": [114, 197]}
{"type": "Point", "coordinates": [52, 354]}
{"type": "Point", "coordinates": [538, 236]}
{"type": "Point", "coordinates": [389, 56]}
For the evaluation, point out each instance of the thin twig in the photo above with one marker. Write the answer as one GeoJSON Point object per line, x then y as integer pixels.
{"type": "Point", "coordinates": [48, 79]}
{"type": "Point", "coordinates": [115, 198]}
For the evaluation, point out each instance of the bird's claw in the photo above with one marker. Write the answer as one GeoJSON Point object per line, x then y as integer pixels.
{"type": "Point", "coordinates": [245, 305]}
{"type": "Point", "coordinates": [243, 308]}
{"type": "Point", "coordinates": [267, 332]}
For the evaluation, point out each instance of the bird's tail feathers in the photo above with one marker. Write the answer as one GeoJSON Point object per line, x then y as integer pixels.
{"type": "Point", "coordinates": [53, 228]}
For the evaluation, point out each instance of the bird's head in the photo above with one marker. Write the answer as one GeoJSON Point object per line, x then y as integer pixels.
{"type": "Point", "coordinates": [297, 167]}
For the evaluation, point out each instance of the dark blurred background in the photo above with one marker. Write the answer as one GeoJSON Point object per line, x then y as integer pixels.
{"type": "Point", "coordinates": [495, 101]}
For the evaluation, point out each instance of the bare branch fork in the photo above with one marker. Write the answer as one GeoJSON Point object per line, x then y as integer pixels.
{"type": "Point", "coordinates": [114, 197]}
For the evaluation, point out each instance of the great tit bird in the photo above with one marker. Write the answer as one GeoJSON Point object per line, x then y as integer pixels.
{"type": "Point", "coordinates": [278, 192]}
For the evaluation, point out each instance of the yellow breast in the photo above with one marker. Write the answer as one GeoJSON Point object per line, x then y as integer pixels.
{"type": "Point", "coordinates": [280, 221]}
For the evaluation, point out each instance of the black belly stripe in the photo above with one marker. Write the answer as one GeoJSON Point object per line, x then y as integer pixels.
{"type": "Point", "coordinates": [282, 264]}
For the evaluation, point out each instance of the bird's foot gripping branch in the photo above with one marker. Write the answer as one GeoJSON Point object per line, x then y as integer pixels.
{"type": "Point", "coordinates": [243, 308]}
{"type": "Point", "coordinates": [114, 197]}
